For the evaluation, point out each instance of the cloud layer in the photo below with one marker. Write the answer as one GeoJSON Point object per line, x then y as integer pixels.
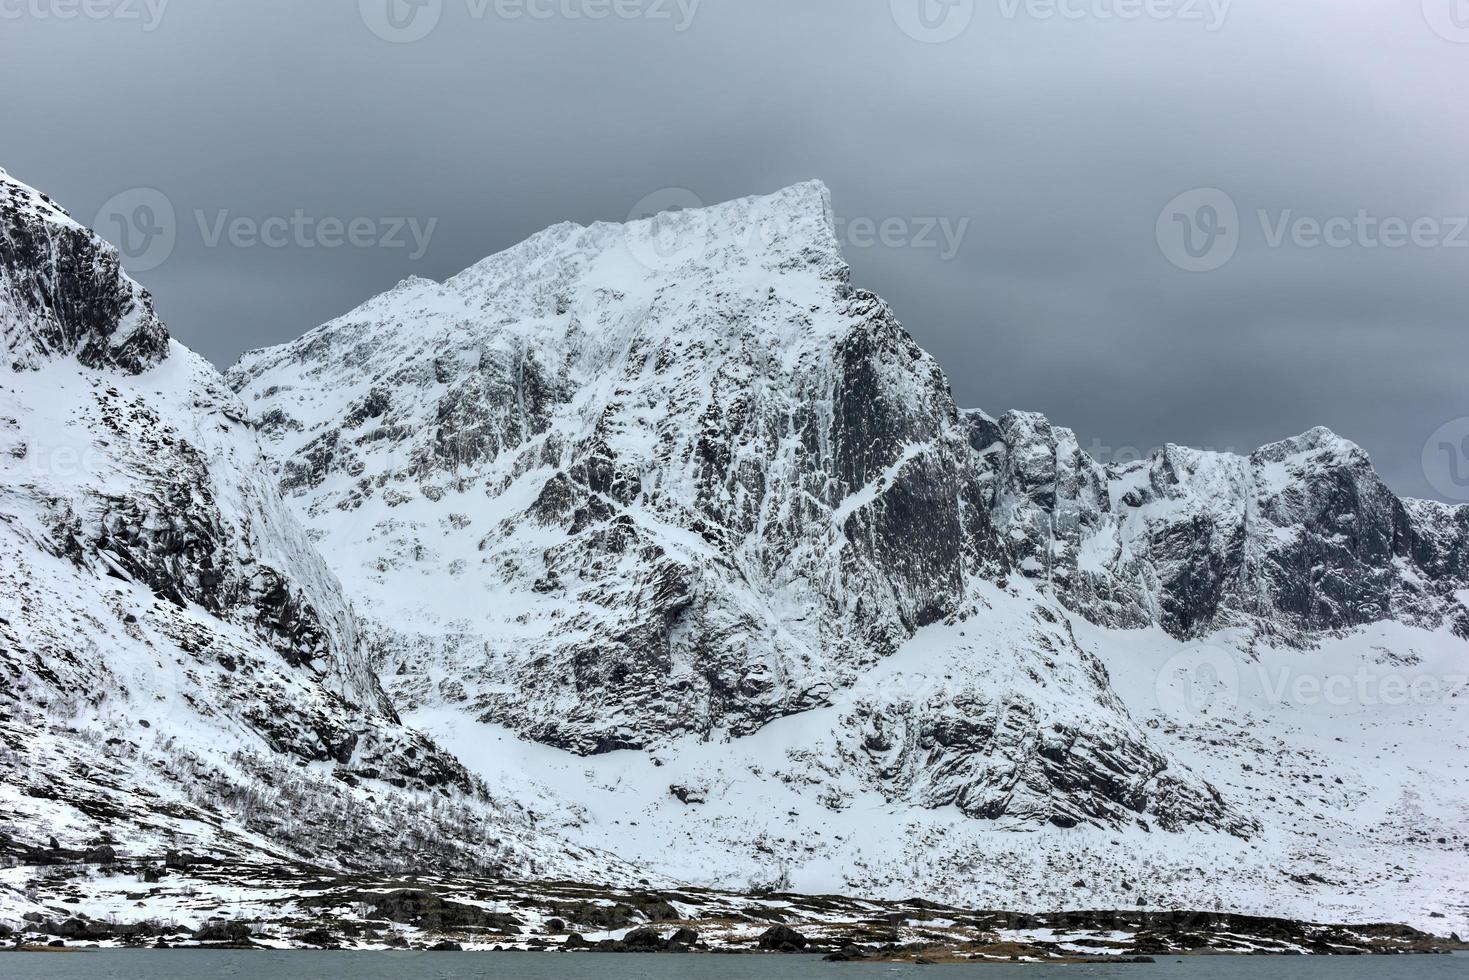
{"type": "Point", "coordinates": [295, 144]}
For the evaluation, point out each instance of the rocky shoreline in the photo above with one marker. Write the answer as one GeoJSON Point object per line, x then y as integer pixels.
{"type": "Point", "coordinates": [179, 902]}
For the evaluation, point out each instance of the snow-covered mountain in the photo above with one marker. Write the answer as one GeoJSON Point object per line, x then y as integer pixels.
{"type": "Point", "coordinates": [676, 497]}
{"type": "Point", "coordinates": [181, 669]}
{"type": "Point", "coordinates": [620, 485]}
{"type": "Point", "coordinates": [1299, 538]}
{"type": "Point", "coordinates": [677, 547]}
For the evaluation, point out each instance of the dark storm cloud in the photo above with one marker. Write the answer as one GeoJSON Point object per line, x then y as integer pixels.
{"type": "Point", "coordinates": [299, 146]}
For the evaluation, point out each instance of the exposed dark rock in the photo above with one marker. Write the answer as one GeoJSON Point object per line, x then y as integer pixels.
{"type": "Point", "coordinates": [228, 933]}
{"type": "Point", "coordinates": [644, 940]}
{"type": "Point", "coordinates": [1300, 537]}
{"type": "Point", "coordinates": [427, 910]}
{"type": "Point", "coordinates": [68, 283]}
{"type": "Point", "coordinates": [782, 939]}
{"type": "Point", "coordinates": [82, 930]}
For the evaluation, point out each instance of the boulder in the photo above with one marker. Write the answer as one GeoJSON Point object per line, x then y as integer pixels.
{"type": "Point", "coordinates": [783, 939]}
{"type": "Point", "coordinates": [644, 940]}
{"type": "Point", "coordinates": [428, 911]}
{"type": "Point", "coordinates": [228, 933]}
{"type": "Point", "coordinates": [83, 930]}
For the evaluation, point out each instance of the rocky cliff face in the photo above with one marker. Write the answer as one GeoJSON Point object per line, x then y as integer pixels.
{"type": "Point", "coordinates": [703, 494]}
{"type": "Point", "coordinates": [63, 291]}
{"type": "Point", "coordinates": [176, 655]}
{"type": "Point", "coordinates": [678, 488]}
{"type": "Point", "coordinates": [625, 484]}
{"type": "Point", "coordinates": [1298, 538]}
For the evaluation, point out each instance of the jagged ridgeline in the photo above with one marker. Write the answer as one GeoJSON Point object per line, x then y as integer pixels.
{"type": "Point", "coordinates": [622, 484]}
{"type": "Point", "coordinates": [680, 543]}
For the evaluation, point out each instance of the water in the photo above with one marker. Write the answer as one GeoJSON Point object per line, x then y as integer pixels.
{"type": "Point", "coordinates": [206, 965]}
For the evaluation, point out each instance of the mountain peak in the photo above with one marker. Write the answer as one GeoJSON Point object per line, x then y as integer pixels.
{"type": "Point", "coordinates": [677, 235]}
{"type": "Point", "coordinates": [23, 200]}
{"type": "Point", "coordinates": [1314, 441]}
{"type": "Point", "coordinates": [63, 291]}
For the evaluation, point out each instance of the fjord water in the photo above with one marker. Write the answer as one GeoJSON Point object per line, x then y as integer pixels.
{"type": "Point", "coordinates": [190, 964]}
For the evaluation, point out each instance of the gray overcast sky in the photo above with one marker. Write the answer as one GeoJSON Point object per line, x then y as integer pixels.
{"type": "Point", "coordinates": [1059, 138]}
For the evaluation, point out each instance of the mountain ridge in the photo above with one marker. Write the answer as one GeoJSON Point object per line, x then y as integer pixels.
{"type": "Point", "coordinates": [665, 541]}
{"type": "Point", "coordinates": [182, 670]}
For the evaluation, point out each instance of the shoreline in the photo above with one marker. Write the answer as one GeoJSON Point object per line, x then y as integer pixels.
{"type": "Point", "coordinates": [186, 903]}
{"type": "Point", "coordinates": [931, 958]}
